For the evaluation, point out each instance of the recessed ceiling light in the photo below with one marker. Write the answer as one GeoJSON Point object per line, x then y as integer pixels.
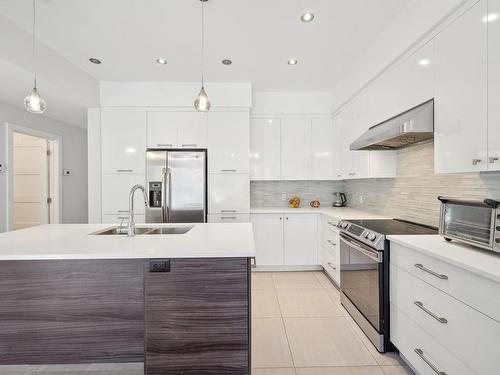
{"type": "Point", "coordinates": [292, 62]}
{"type": "Point", "coordinates": [307, 17]}
{"type": "Point", "coordinates": [424, 62]}
{"type": "Point", "coordinates": [490, 17]}
{"type": "Point", "coordinates": [93, 60]}
{"type": "Point", "coordinates": [227, 62]}
{"type": "Point", "coordinates": [161, 61]}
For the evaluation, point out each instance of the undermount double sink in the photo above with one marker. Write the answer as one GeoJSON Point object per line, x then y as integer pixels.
{"type": "Point", "coordinates": [115, 231]}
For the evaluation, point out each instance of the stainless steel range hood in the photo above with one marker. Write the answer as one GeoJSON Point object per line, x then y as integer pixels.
{"type": "Point", "coordinates": [413, 126]}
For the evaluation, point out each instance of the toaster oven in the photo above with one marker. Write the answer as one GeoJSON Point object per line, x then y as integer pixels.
{"type": "Point", "coordinates": [476, 222]}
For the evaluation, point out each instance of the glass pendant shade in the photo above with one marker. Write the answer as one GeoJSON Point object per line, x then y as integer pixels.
{"type": "Point", "coordinates": [202, 103]}
{"type": "Point", "coordinates": [34, 103]}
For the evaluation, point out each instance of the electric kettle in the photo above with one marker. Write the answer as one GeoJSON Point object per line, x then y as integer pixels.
{"type": "Point", "coordinates": [339, 199]}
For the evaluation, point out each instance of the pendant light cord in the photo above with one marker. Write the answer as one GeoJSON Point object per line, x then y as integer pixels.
{"type": "Point", "coordinates": [202, 41]}
{"type": "Point", "coordinates": [33, 41]}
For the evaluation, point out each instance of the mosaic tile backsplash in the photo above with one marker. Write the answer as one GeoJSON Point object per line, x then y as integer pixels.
{"type": "Point", "coordinates": [412, 195]}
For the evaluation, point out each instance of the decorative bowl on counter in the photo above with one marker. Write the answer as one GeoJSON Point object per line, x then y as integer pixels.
{"type": "Point", "coordinates": [294, 202]}
{"type": "Point", "coordinates": [315, 203]}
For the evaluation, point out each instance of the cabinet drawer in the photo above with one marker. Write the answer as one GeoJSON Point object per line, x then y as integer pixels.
{"type": "Point", "coordinates": [330, 264]}
{"type": "Point", "coordinates": [330, 223]}
{"type": "Point", "coordinates": [459, 283]}
{"type": "Point", "coordinates": [409, 337]}
{"type": "Point", "coordinates": [451, 324]}
{"type": "Point", "coordinates": [229, 218]}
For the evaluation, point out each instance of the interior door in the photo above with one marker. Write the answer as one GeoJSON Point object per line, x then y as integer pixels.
{"type": "Point", "coordinates": [30, 181]}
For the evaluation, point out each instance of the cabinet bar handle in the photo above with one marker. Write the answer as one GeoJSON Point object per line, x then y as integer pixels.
{"type": "Point", "coordinates": [164, 145]}
{"type": "Point", "coordinates": [425, 309]}
{"type": "Point", "coordinates": [189, 145]}
{"type": "Point", "coordinates": [439, 276]}
{"type": "Point", "coordinates": [227, 210]}
{"type": "Point", "coordinates": [332, 224]}
{"type": "Point", "coordinates": [228, 170]}
{"type": "Point", "coordinates": [420, 353]}
{"type": "Point", "coordinates": [123, 211]}
{"type": "Point", "coordinates": [352, 174]}
{"type": "Point", "coordinates": [124, 170]}
{"type": "Point", "coordinates": [476, 161]}
{"type": "Point", "coordinates": [228, 217]}
{"type": "Point", "coordinates": [331, 242]}
{"type": "Point", "coordinates": [493, 159]}
{"type": "Point", "coordinates": [331, 266]}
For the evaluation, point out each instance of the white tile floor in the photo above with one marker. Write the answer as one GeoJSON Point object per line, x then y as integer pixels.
{"type": "Point", "coordinates": [298, 328]}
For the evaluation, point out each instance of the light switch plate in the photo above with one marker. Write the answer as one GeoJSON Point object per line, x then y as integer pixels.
{"type": "Point", "coordinates": [283, 196]}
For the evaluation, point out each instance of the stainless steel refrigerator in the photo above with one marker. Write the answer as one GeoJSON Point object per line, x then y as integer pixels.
{"type": "Point", "coordinates": [177, 186]}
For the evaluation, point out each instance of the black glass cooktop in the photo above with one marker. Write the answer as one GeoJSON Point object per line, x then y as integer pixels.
{"type": "Point", "coordinates": [394, 226]}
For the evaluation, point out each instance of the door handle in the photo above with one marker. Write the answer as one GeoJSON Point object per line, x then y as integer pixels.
{"type": "Point", "coordinates": [493, 159]}
{"type": "Point", "coordinates": [476, 161]}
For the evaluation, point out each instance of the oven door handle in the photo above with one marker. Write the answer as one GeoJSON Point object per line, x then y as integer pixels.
{"type": "Point", "coordinates": [372, 254]}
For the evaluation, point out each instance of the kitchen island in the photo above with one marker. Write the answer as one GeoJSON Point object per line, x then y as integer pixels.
{"type": "Point", "coordinates": [178, 302]}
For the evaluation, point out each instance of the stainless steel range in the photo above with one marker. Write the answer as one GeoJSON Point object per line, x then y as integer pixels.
{"type": "Point", "coordinates": [364, 272]}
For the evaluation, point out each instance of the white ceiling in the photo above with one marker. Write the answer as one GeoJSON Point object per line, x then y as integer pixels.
{"type": "Point", "coordinates": [258, 35]}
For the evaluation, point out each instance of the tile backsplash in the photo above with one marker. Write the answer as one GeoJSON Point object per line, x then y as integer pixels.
{"type": "Point", "coordinates": [268, 193]}
{"type": "Point", "coordinates": [412, 195]}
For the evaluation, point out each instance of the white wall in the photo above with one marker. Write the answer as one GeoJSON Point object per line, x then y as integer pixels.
{"type": "Point", "coordinates": [74, 157]}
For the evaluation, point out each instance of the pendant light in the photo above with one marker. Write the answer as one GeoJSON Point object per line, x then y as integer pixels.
{"type": "Point", "coordinates": [34, 103]}
{"type": "Point", "coordinates": [202, 102]}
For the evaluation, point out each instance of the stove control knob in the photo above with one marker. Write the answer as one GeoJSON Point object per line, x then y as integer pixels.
{"type": "Point", "coordinates": [344, 225]}
{"type": "Point", "coordinates": [366, 234]}
{"type": "Point", "coordinates": [372, 237]}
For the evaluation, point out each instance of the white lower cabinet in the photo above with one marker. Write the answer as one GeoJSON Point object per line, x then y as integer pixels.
{"type": "Point", "coordinates": [329, 250]}
{"type": "Point", "coordinates": [300, 239]}
{"type": "Point", "coordinates": [434, 323]}
{"type": "Point", "coordinates": [286, 239]}
{"type": "Point", "coordinates": [229, 218]}
{"type": "Point", "coordinates": [228, 193]}
{"type": "Point", "coordinates": [268, 233]}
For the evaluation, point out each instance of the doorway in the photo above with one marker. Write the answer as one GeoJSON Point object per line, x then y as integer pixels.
{"type": "Point", "coordinates": [34, 180]}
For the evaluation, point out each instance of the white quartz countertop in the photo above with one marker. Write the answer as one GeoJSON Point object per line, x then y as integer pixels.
{"type": "Point", "coordinates": [74, 241]}
{"type": "Point", "coordinates": [336, 212]}
{"type": "Point", "coordinates": [481, 262]}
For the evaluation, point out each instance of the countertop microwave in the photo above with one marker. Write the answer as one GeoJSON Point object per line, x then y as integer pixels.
{"type": "Point", "coordinates": [476, 222]}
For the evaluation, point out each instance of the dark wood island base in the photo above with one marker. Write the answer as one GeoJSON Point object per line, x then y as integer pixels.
{"type": "Point", "coordinates": [190, 317]}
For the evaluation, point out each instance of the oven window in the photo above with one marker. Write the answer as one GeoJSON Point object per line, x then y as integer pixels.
{"type": "Point", "coordinates": [359, 281]}
{"type": "Point", "coordinates": [468, 222]}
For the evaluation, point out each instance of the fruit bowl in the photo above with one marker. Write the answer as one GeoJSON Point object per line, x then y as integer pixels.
{"type": "Point", "coordinates": [294, 202]}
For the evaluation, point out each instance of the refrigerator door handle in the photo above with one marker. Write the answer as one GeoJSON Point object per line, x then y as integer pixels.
{"type": "Point", "coordinates": [165, 207]}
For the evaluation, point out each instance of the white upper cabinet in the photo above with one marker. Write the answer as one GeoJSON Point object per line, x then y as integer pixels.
{"type": "Point", "coordinates": [265, 149]}
{"type": "Point", "coordinates": [228, 142]}
{"type": "Point", "coordinates": [192, 129]}
{"type": "Point", "coordinates": [123, 139]}
{"type": "Point", "coordinates": [322, 149]}
{"type": "Point", "coordinates": [337, 147]}
{"type": "Point", "coordinates": [162, 129]}
{"type": "Point", "coordinates": [494, 87]}
{"type": "Point", "coordinates": [296, 149]}
{"type": "Point", "coordinates": [355, 164]}
{"type": "Point", "coordinates": [461, 130]}
{"type": "Point", "coordinates": [177, 129]}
